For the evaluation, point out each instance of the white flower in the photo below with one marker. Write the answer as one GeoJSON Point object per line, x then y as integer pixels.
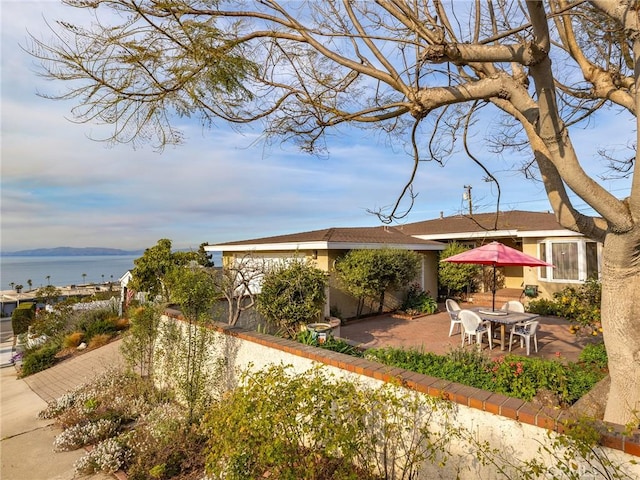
{"type": "Point", "coordinates": [109, 456]}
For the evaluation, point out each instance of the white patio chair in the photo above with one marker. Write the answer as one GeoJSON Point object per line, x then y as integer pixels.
{"type": "Point", "coordinates": [525, 331]}
{"type": "Point", "coordinates": [513, 306]}
{"type": "Point", "coordinates": [474, 326]}
{"type": "Point", "coordinates": [453, 309]}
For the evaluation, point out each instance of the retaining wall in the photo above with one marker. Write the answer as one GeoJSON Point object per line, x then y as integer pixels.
{"type": "Point", "coordinates": [517, 428]}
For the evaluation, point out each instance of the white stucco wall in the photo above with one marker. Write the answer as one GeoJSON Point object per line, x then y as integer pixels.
{"type": "Point", "coordinates": [516, 441]}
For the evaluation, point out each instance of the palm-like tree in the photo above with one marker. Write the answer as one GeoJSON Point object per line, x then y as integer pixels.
{"type": "Point", "coordinates": [48, 277]}
{"type": "Point", "coordinates": [84, 276]}
{"type": "Point", "coordinates": [30, 283]}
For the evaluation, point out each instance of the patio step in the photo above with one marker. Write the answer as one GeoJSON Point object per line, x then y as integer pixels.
{"type": "Point", "coordinates": [484, 299]}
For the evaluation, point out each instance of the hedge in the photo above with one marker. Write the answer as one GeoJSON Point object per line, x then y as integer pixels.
{"type": "Point", "coordinates": [22, 317]}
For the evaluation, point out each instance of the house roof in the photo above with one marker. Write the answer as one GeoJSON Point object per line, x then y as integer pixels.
{"type": "Point", "coordinates": [333, 238]}
{"type": "Point", "coordinates": [514, 223]}
{"type": "Point", "coordinates": [425, 235]}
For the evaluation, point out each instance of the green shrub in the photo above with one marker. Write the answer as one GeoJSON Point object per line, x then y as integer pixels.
{"type": "Point", "coordinates": [455, 278]}
{"type": "Point", "coordinates": [292, 294]}
{"type": "Point", "coordinates": [523, 377]}
{"type": "Point", "coordinates": [313, 426]}
{"type": "Point", "coordinates": [543, 307]}
{"type": "Point", "coordinates": [334, 344]}
{"type": "Point", "coordinates": [40, 358]}
{"type": "Point", "coordinates": [97, 322]}
{"type": "Point", "coordinates": [367, 274]}
{"type": "Point", "coordinates": [580, 304]}
{"type": "Point", "coordinates": [594, 354]}
{"type": "Point", "coordinates": [57, 322]}
{"type": "Point", "coordinates": [22, 317]}
{"type": "Point", "coordinates": [466, 367]}
{"type": "Point", "coordinates": [417, 300]}
{"type": "Point", "coordinates": [581, 379]}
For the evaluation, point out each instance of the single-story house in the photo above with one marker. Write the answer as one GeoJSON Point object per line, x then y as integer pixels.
{"type": "Point", "coordinates": [575, 257]}
{"type": "Point", "coordinates": [324, 247]}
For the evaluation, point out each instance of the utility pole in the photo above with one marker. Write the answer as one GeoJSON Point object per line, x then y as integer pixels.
{"type": "Point", "coordinates": [467, 196]}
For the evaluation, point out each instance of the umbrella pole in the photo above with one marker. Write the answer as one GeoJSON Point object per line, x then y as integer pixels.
{"type": "Point", "coordinates": [493, 304]}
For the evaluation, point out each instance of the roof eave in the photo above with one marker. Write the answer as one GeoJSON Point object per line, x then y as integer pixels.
{"type": "Point", "coordinates": [293, 246]}
{"type": "Point", "coordinates": [500, 234]}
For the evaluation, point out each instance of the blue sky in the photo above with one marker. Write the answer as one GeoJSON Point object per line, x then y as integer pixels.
{"type": "Point", "coordinates": [59, 188]}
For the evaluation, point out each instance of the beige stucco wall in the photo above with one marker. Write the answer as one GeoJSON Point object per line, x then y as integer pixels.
{"type": "Point", "coordinates": [337, 299]}
{"type": "Point", "coordinates": [347, 305]}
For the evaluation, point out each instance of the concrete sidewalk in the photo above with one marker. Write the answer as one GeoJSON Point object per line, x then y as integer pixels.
{"type": "Point", "coordinates": [27, 442]}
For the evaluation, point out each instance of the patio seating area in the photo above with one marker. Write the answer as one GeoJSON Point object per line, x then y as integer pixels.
{"type": "Point", "coordinates": [431, 334]}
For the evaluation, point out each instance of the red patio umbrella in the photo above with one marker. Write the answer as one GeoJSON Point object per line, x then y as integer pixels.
{"type": "Point", "coordinates": [497, 255]}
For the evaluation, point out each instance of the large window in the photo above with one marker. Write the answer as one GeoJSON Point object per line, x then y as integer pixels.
{"type": "Point", "coordinates": [574, 260]}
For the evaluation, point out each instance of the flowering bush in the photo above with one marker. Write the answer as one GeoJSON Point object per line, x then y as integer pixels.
{"type": "Point", "coordinates": [579, 305]}
{"type": "Point", "coordinates": [109, 456]}
{"type": "Point", "coordinates": [164, 444]}
{"type": "Point", "coordinates": [84, 434]}
{"type": "Point", "coordinates": [523, 377]}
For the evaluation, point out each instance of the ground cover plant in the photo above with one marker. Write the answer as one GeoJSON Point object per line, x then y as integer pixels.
{"type": "Point", "coordinates": [511, 375]}
{"type": "Point", "coordinates": [133, 425]}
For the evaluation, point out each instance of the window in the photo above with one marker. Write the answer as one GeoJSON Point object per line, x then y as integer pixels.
{"type": "Point", "coordinates": [574, 260]}
{"type": "Point", "coordinates": [542, 253]}
{"type": "Point", "coordinates": [592, 260]}
{"type": "Point", "coordinates": [564, 255]}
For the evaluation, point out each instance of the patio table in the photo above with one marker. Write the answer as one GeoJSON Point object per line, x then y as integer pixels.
{"type": "Point", "coordinates": [503, 318]}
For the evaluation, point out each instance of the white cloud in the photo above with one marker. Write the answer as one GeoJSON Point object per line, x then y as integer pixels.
{"type": "Point", "coordinates": [61, 188]}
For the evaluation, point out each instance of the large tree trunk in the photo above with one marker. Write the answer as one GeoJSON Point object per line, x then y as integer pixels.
{"type": "Point", "coordinates": [621, 325]}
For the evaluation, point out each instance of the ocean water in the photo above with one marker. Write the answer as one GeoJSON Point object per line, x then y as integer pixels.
{"type": "Point", "coordinates": [62, 271]}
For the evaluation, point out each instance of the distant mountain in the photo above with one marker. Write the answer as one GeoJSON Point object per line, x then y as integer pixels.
{"type": "Point", "coordinates": [71, 252]}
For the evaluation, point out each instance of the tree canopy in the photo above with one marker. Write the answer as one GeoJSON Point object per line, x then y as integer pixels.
{"type": "Point", "coordinates": [151, 269]}
{"type": "Point", "coordinates": [456, 277]}
{"type": "Point", "coordinates": [422, 72]}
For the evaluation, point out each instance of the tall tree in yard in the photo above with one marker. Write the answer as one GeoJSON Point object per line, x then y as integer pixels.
{"type": "Point", "coordinates": [421, 71]}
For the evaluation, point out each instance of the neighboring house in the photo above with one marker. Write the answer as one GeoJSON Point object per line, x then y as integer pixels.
{"type": "Point", "coordinates": [127, 294]}
{"type": "Point", "coordinates": [575, 257]}
{"type": "Point", "coordinates": [325, 246]}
